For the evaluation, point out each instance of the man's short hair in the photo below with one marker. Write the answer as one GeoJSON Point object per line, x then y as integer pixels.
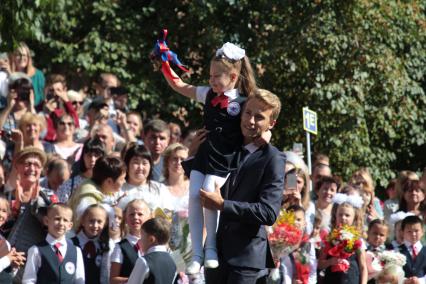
{"type": "Point", "coordinates": [159, 228]}
{"type": "Point", "coordinates": [56, 78]}
{"type": "Point", "coordinates": [268, 98]}
{"type": "Point", "coordinates": [156, 125]}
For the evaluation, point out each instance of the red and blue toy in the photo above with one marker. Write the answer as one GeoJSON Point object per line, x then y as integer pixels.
{"type": "Point", "coordinates": [163, 52]}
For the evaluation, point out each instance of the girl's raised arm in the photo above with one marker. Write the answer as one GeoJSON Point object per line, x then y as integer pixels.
{"type": "Point", "coordinates": [180, 86]}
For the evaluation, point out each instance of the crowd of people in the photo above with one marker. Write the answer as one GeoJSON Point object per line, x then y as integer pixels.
{"type": "Point", "coordinates": [94, 193]}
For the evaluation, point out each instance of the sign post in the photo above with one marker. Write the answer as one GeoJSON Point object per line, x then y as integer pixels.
{"type": "Point", "coordinates": [310, 126]}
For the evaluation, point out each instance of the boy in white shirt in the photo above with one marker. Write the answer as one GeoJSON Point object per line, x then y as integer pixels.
{"type": "Point", "coordinates": [55, 260]}
{"type": "Point", "coordinates": [156, 266]}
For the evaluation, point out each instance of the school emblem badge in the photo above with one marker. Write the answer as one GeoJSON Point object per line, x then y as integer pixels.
{"type": "Point", "coordinates": [233, 109]}
{"type": "Point", "coordinates": [70, 268]}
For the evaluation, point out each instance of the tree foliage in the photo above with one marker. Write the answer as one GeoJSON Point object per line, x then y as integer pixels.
{"type": "Point", "coordinates": [359, 63]}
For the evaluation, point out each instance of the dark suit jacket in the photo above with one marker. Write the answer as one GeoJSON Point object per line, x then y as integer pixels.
{"type": "Point", "coordinates": [253, 195]}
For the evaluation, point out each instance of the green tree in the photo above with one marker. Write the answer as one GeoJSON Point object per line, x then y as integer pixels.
{"type": "Point", "coordinates": [360, 64]}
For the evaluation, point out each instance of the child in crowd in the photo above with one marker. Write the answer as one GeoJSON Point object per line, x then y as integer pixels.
{"type": "Point", "coordinates": [231, 80]}
{"type": "Point", "coordinates": [10, 257]}
{"type": "Point", "coordinates": [55, 260]}
{"type": "Point", "coordinates": [347, 210]}
{"type": "Point", "coordinates": [127, 251]}
{"type": "Point", "coordinates": [300, 266]}
{"type": "Point", "coordinates": [92, 238]}
{"type": "Point", "coordinates": [395, 221]}
{"type": "Point", "coordinates": [156, 266]}
{"type": "Point", "coordinates": [376, 238]}
{"type": "Point", "coordinates": [414, 251]}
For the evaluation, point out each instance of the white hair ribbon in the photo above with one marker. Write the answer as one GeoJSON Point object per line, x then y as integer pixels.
{"type": "Point", "coordinates": [231, 51]}
{"type": "Point", "coordinates": [399, 216]}
{"type": "Point", "coordinates": [354, 200]}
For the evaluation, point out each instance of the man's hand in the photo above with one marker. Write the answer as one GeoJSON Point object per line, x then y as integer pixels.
{"type": "Point", "coordinates": [212, 200]}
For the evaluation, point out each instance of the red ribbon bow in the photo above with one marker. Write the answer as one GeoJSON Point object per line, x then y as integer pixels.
{"type": "Point", "coordinates": [221, 100]}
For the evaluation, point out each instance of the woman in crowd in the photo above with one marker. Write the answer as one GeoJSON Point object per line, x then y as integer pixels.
{"type": "Point", "coordinates": [65, 145]}
{"type": "Point", "coordinates": [362, 180]}
{"type": "Point", "coordinates": [327, 189]}
{"type": "Point", "coordinates": [139, 172]}
{"type": "Point", "coordinates": [22, 61]}
{"type": "Point", "coordinates": [57, 171]}
{"type": "Point", "coordinates": [93, 149]}
{"type": "Point", "coordinates": [296, 192]}
{"type": "Point", "coordinates": [412, 197]}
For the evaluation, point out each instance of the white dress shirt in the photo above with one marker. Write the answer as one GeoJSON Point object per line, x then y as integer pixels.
{"type": "Point", "coordinates": [34, 261]}
{"type": "Point", "coordinates": [4, 261]}
{"type": "Point", "coordinates": [141, 270]}
{"type": "Point", "coordinates": [117, 254]}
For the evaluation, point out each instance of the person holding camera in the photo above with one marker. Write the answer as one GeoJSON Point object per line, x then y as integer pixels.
{"type": "Point", "coordinates": [56, 103]}
{"type": "Point", "coordinates": [19, 101]}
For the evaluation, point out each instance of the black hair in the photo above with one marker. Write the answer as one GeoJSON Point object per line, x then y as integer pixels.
{"type": "Point", "coordinates": [141, 151]}
{"type": "Point", "coordinates": [411, 220]}
{"type": "Point", "coordinates": [377, 222]}
{"type": "Point", "coordinates": [296, 208]}
{"type": "Point", "coordinates": [327, 180]}
{"type": "Point", "coordinates": [159, 228]}
{"type": "Point", "coordinates": [93, 145]}
{"type": "Point", "coordinates": [108, 167]}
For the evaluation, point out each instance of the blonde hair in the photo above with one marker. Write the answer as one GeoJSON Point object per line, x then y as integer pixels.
{"type": "Point", "coordinates": [269, 99]}
{"type": "Point", "coordinates": [363, 179]}
{"type": "Point", "coordinates": [171, 149]}
{"type": "Point", "coordinates": [246, 83]}
{"type": "Point", "coordinates": [123, 225]}
{"type": "Point", "coordinates": [358, 218]}
{"type": "Point", "coordinates": [29, 117]}
{"type": "Point", "coordinates": [305, 198]}
{"type": "Point", "coordinates": [30, 69]}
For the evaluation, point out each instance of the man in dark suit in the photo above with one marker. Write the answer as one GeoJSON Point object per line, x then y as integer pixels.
{"type": "Point", "coordinates": [250, 199]}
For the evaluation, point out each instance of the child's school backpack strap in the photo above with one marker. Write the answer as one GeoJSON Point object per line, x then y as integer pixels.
{"type": "Point", "coordinates": [129, 258]}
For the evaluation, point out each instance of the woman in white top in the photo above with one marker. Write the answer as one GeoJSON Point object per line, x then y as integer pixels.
{"type": "Point", "coordinates": [327, 187]}
{"type": "Point", "coordinates": [65, 145]}
{"type": "Point", "coordinates": [139, 184]}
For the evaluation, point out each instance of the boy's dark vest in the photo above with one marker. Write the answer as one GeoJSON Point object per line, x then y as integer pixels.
{"type": "Point", "coordinates": [413, 268]}
{"type": "Point", "coordinates": [129, 258]}
{"type": "Point", "coordinates": [162, 268]}
{"type": "Point", "coordinates": [51, 271]}
{"type": "Point", "coordinates": [92, 272]}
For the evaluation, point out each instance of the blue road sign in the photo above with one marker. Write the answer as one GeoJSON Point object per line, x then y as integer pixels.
{"type": "Point", "coordinates": [310, 121]}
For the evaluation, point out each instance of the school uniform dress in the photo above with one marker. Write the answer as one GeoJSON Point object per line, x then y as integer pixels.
{"type": "Point", "coordinates": [126, 253]}
{"type": "Point", "coordinates": [416, 260]}
{"type": "Point", "coordinates": [44, 266]}
{"type": "Point", "coordinates": [92, 256]}
{"type": "Point", "coordinates": [217, 155]}
{"type": "Point", "coordinates": [156, 266]}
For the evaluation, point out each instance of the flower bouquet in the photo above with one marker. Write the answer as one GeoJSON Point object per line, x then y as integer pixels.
{"type": "Point", "coordinates": [284, 237]}
{"type": "Point", "coordinates": [342, 242]}
{"type": "Point", "coordinates": [392, 263]}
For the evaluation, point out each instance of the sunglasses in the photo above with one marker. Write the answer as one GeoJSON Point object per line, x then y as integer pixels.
{"type": "Point", "coordinates": [77, 103]}
{"type": "Point", "coordinates": [63, 123]}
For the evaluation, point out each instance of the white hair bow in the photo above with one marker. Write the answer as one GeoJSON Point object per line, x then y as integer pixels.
{"type": "Point", "coordinates": [354, 200]}
{"type": "Point", "coordinates": [231, 51]}
{"type": "Point", "coordinates": [399, 216]}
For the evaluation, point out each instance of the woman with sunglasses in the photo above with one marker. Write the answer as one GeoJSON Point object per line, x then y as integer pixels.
{"type": "Point", "coordinates": [65, 145]}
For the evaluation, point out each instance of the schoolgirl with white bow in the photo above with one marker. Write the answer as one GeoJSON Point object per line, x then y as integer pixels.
{"type": "Point", "coordinates": [231, 80]}
{"type": "Point", "coordinates": [347, 210]}
{"type": "Point", "coordinates": [92, 237]}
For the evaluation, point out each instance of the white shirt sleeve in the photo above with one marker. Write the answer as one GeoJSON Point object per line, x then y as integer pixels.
{"type": "Point", "coordinates": [4, 263]}
{"type": "Point", "coordinates": [201, 93]}
{"type": "Point", "coordinates": [32, 266]}
{"type": "Point", "coordinates": [312, 265]}
{"type": "Point", "coordinates": [140, 272]}
{"type": "Point", "coordinates": [422, 280]}
{"type": "Point", "coordinates": [117, 255]}
{"type": "Point", "coordinates": [79, 271]}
